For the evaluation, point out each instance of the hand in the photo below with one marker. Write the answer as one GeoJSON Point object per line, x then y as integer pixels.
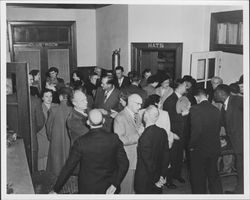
{"type": "Point", "coordinates": [111, 190]}
{"type": "Point", "coordinates": [140, 129]}
{"type": "Point", "coordinates": [161, 182]}
{"type": "Point", "coordinates": [52, 192]}
{"type": "Point", "coordinates": [176, 137]}
{"type": "Point", "coordinates": [104, 112]}
{"type": "Point", "coordinates": [123, 102]}
{"type": "Point", "coordinates": [113, 113]}
{"type": "Point", "coordinates": [185, 112]}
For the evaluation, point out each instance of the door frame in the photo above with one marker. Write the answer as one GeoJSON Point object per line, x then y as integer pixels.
{"type": "Point", "coordinates": [72, 39]}
{"type": "Point", "coordinates": [137, 48]}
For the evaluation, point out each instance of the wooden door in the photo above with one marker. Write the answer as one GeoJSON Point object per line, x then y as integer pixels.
{"type": "Point", "coordinates": [18, 104]}
{"type": "Point", "coordinates": [60, 58]}
{"type": "Point", "coordinates": [140, 50]}
{"type": "Point", "coordinates": [44, 44]}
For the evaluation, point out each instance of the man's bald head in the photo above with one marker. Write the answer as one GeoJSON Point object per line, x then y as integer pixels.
{"type": "Point", "coordinates": [134, 102]}
{"type": "Point", "coordinates": [95, 118]}
{"type": "Point", "coordinates": [151, 115]}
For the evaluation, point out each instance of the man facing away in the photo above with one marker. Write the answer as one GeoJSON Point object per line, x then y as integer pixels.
{"type": "Point", "coordinates": [128, 126]}
{"type": "Point", "coordinates": [204, 146]}
{"type": "Point", "coordinates": [153, 156]}
{"type": "Point", "coordinates": [103, 161]}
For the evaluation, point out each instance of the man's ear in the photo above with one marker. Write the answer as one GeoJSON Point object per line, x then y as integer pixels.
{"type": "Point", "coordinates": [88, 122]}
{"type": "Point", "coordinates": [74, 103]}
{"type": "Point", "coordinates": [103, 120]}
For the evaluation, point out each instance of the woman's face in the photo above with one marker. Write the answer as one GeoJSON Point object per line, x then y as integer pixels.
{"type": "Point", "coordinates": [165, 83]}
{"type": "Point", "coordinates": [47, 97]}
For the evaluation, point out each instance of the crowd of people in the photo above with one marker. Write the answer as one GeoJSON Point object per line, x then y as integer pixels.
{"type": "Point", "coordinates": [131, 134]}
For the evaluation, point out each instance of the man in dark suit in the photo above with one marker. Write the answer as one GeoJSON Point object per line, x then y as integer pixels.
{"type": "Point", "coordinates": [232, 113]}
{"type": "Point", "coordinates": [177, 122]}
{"type": "Point", "coordinates": [108, 100]}
{"type": "Point", "coordinates": [121, 81]}
{"type": "Point", "coordinates": [135, 88]}
{"type": "Point", "coordinates": [103, 160]}
{"type": "Point", "coordinates": [204, 146]}
{"type": "Point", "coordinates": [152, 156]}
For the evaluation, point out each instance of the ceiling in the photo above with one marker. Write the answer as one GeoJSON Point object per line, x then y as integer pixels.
{"type": "Point", "coordinates": [64, 6]}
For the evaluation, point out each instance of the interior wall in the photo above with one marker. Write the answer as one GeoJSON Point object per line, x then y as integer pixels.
{"type": "Point", "coordinates": [187, 24]}
{"type": "Point", "coordinates": [85, 27]}
{"type": "Point", "coordinates": [111, 34]}
{"type": "Point", "coordinates": [232, 64]}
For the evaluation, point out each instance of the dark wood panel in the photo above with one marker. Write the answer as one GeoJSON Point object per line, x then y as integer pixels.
{"type": "Point", "coordinates": [23, 108]}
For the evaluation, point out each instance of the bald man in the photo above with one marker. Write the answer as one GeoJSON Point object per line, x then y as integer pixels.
{"type": "Point", "coordinates": [128, 126]}
{"type": "Point", "coordinates": [153, 156]}
{"type": "Point", "coordinates": [102, 158]}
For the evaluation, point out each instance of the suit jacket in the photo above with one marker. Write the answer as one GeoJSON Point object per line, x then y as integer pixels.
{"type": "Point", "coordinates": [133, 89]}
{"type": "Point", "coordinates": [103, 162]}
{"type": "Point", "coordinates": [128, 132]}
{"type": "Point", "coordinates": [76, 123]}
{"type": "Point", "coordinates": [153, 159]}
{"type": "Point", "coordinates": [149, 90]}
{"type": "Point", "coordinates": [234, 122]}
{"type": "Point", "coordinates": [165, 95]}
{"type": "Point", "coordinates": [125, 83]}
{"type": "Point", "coordinates": [113, 102]}
{"type": "Point", "coordinates": [177, 121]}
{"type": "Point", "coordinates": [205, 128]}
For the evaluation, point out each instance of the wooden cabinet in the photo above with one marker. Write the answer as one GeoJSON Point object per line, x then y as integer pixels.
{"type": "Point", "coordinates": [18, 104]}
{"type": "Point", "coordinates": [226, 31]}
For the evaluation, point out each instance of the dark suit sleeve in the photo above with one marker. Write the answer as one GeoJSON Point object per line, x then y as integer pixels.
{"type": "Point", "coordinates": [122, 164]}
{"type": "Point", "coordinates": [67, 170]}
{"type": "Point", "coordinates": [49, 123]}
{"type": "Point", "coordinates": [165, 156]}
{"type": "Point", "coordinates": [196, 127]}
{"type": "Point", "coordinates": [77, 127]}
{"type": "Point", "coordinates": [40, 119]}
{"type": "Point", "coordinates": [97, 98]}
{"type": "Point", "coordinates": [145, 150]}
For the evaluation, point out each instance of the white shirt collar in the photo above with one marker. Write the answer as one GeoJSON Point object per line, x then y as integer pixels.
{"type": "Point", "coordinates": [109, 92]}
{"type": "Point", "coordinates": [226, 103]}
{"type": "Point", "coordinates": [120, 81]}
{"type": "Point", "coordinates": [178, 94]}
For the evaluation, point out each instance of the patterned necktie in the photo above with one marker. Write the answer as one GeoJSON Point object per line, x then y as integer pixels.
{"type": "Point", "coordinates": [105, 96]}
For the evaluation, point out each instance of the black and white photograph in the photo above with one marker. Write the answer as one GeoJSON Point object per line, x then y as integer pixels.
{"type": "Point", "coordinates": [125, 99]}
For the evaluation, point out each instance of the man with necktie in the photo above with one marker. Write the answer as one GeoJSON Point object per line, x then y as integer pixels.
{"type": "Point", "coordinates": [107, 100]}
{"type": "Point", "coordinates": [177, 121]}
{"type": "Point", "coordinates": [232, 113]}
{"type": "Point", "coordinates": [128, 126]}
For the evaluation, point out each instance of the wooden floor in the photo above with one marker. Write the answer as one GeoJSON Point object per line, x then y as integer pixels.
{"type": "Point", "coordinates": [228, 183]}
{"type": "Point", "coordinates": [42, 184]}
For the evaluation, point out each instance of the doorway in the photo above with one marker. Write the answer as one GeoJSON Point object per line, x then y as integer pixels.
{"type": "Point", "coordinates": [159, 57]}
{"type": "Point", "coordinates": [44, 44]}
